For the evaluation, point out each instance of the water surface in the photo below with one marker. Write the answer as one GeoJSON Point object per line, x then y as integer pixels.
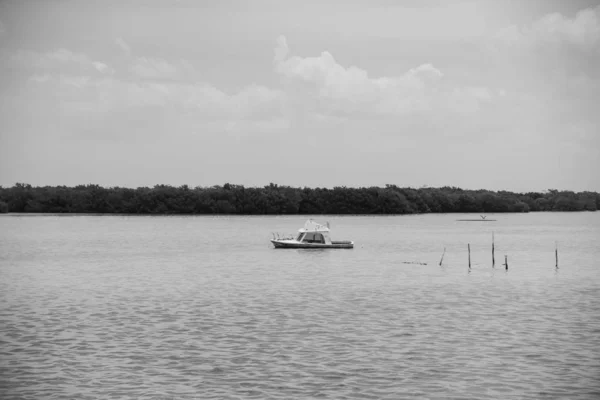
{"type": "Point", "coordinates": [99, 307]}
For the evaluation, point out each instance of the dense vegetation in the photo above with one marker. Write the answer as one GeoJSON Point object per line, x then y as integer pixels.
{"type": "Point", "coordinates": [274, 199]}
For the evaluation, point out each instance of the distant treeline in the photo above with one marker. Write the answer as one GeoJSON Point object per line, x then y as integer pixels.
{"type": "Point", "coordinates": [274, 199]}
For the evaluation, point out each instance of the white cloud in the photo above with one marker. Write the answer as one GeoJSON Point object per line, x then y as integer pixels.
{"type": "Point", "coordinates": [466, 100]}
{"type": "Point", "coordinates": [60, 61]}
{"type": "Point", "coordinates": [40, 78]}
{"type": "Point", "coordinates": [281, 50]}
{"type": "Point", "coordinates": [123, 45]}
{"type": "Point", "coordinates": [81, 84]}
{"type": "Point", "coordinates": [156, 68]}
{"type": "Point", "coordinates": [101, 67]}
{"type": "Point", "coordinates": [425, 70]}
{"type": "Point", "coordinates": [107, 94]}
{"type": "Point", "coordinates": [314, 90]}
{"type": "Point", "coordinates": [555, 60]}
{"type": "Point", "coordinates": [322, 85]}
{"type": "Point", "coordinates": [582, 31]}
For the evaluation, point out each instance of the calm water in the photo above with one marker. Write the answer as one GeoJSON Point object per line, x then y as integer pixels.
{"type": "Point", "coordinates": [100, 307]}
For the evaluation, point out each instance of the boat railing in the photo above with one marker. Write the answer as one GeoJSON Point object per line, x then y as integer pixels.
{"type": "Point", "coordinates": [276, 236]}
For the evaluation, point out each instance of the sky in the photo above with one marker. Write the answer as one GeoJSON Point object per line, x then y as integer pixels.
{"type": "Point", "coordinates": [489, 94]}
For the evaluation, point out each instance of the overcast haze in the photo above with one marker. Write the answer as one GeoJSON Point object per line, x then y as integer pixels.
{"type": "Point", "coordinates": [485, 94]}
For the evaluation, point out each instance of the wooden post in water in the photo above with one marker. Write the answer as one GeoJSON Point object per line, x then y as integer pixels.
{"type": "Point", "coordinates": [469, 248]}
{"type": "Point", "coordinates": [506, 262]}
{"type": "Point", "coordinates": [556, 253]}
{"type": "Point", "coordinates": [442, 259]}
{"type": "Point", "coordinates": [493, 260]}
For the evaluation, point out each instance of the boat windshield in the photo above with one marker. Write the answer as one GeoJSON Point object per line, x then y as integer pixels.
{"type": "Point", "coordinates": [299, 238]}
{"type": "Point", "coordinates": [313, 237]}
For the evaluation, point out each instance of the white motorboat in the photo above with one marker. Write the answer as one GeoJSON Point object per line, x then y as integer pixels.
{"type": "Point", "coordinates": [312, 236]}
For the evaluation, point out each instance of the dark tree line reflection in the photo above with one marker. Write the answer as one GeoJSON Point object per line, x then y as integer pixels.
{"type": "Point", "coordinates": [275, 199]}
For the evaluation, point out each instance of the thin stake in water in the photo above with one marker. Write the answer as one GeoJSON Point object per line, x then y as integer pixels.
{"type": "Point", "coordinates": [493, 260]}
{"type": "Point", "coordinates": [469, 248]}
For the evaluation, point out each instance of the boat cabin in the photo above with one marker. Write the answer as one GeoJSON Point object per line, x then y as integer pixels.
{"type": "Point", "coordinates": [313, 233]}
{"type": "Point", "coordinates": [312, 236]}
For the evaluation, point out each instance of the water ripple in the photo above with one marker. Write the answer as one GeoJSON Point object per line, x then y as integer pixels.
{"type": "Point", "coordinates": [167, 319]}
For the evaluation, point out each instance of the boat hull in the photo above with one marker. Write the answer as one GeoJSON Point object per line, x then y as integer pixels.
{"type": "Point", "coordinates": [288, 244]}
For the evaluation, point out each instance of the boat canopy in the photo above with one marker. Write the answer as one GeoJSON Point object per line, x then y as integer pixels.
{"type": "Point", "coordinates": [312, 226]}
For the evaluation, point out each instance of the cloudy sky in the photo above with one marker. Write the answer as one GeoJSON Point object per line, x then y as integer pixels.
{"type": "Point", "coordinates": [495, 94]}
